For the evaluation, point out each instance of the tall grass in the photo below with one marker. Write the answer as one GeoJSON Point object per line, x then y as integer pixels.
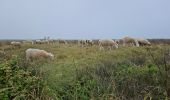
{"type": "Point", "coordinates": [88, 73]}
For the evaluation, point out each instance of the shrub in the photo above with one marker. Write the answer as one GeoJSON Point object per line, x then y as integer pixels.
{"type": "Point", "coordinates": [17, 83]}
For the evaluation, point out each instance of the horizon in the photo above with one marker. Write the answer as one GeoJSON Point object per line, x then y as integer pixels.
{"type": "Point", "coordinates": [74, 37]}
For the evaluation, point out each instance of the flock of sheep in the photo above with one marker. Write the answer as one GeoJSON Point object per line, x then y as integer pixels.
{"type": "Point", "coordinates": [32, 53]}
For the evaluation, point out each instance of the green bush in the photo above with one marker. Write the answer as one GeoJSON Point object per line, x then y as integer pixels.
{"type": "Point", "coordinates": [18, 83]}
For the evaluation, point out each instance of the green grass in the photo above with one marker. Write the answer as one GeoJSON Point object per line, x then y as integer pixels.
{"type": "Point", "coordinates": [89, 73]}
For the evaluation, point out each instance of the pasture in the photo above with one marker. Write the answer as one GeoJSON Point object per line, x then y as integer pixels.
{"type": "Point", "coordinates": [86, 73]}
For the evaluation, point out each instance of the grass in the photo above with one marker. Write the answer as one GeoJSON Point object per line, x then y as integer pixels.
{"type": "Point", "coordinates": [89, 73]}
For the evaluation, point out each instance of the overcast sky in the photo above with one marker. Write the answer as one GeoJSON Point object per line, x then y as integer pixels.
{"type": "Point", "coordinates": [84, 19]}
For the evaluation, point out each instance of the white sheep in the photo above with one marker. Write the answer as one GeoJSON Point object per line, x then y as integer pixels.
{"type": "Point", "coordinates": [143, 42]}
{"type": "Point", "coordinates": [109, 43]}
{"type": "Point", "coordinates": [39, 42]}
{"type": "Point", "coordinates": [131, 41]}
{"type": "Point", "coordinates": [16, 44]}
{"type": "Point", "coordinates": [28, 42]}
{"type": "Point", "coordinates": [37, 53]}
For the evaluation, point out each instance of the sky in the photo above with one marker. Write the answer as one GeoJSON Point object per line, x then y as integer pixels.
{"type": "Point", "coordinates": [81, 19]}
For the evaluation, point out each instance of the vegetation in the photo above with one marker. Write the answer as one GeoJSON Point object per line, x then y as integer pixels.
{"type": "Point", "coordinates": [86, 73]}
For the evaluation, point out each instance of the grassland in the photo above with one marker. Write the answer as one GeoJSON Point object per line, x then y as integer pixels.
{"type": "Point", "coordinates": [127, 73]}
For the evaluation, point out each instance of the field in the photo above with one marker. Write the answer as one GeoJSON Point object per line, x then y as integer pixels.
{"type": "Point", "coordinates": [86, 73]}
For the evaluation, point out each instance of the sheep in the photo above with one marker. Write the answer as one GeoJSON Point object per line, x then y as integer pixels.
{"type": "Point", "coordinates": [118, 41]}
{"type": "Point", "coordinates": [89, 42]}
{"type": "Point", "coordinates": [143, 42]}
{"type": "Point", "coordinates": [37, 53]}
{"type": "Point", "coordinates": [41, 41]}
{"type": "Point", "coordinates": [38, 42]}
{"type": "Point", "coordinates": [28, 42]}
{"type": "Point", "coordinates": [107, 43]}
{"type": "Point", "coordinates": [131, 41]}
{"type": "Point", "coordinates": [16, 44]}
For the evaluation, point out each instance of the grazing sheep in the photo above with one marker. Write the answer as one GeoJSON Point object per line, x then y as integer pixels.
{"type": "Point", "coordinates": [28, 42]}
{"type": "Point", "coordinates": [37, 53]}
{"type": "Point", "coordinates": [38, 42]}
{"type": "Point", "coordinates": [89, 42]}
{"type": "Point", "coordinates": [16, 44]}
{"type": "Point", "coordinates": [109, 43]}
{"type": "Point", "coordinates": [41, 41]}
{"type": "Point", "coordinates": [143, 42]}
{"type": "Point", "coordinates": [130, 41]}
{"type": "Point", "coordinates": [117, 41]}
